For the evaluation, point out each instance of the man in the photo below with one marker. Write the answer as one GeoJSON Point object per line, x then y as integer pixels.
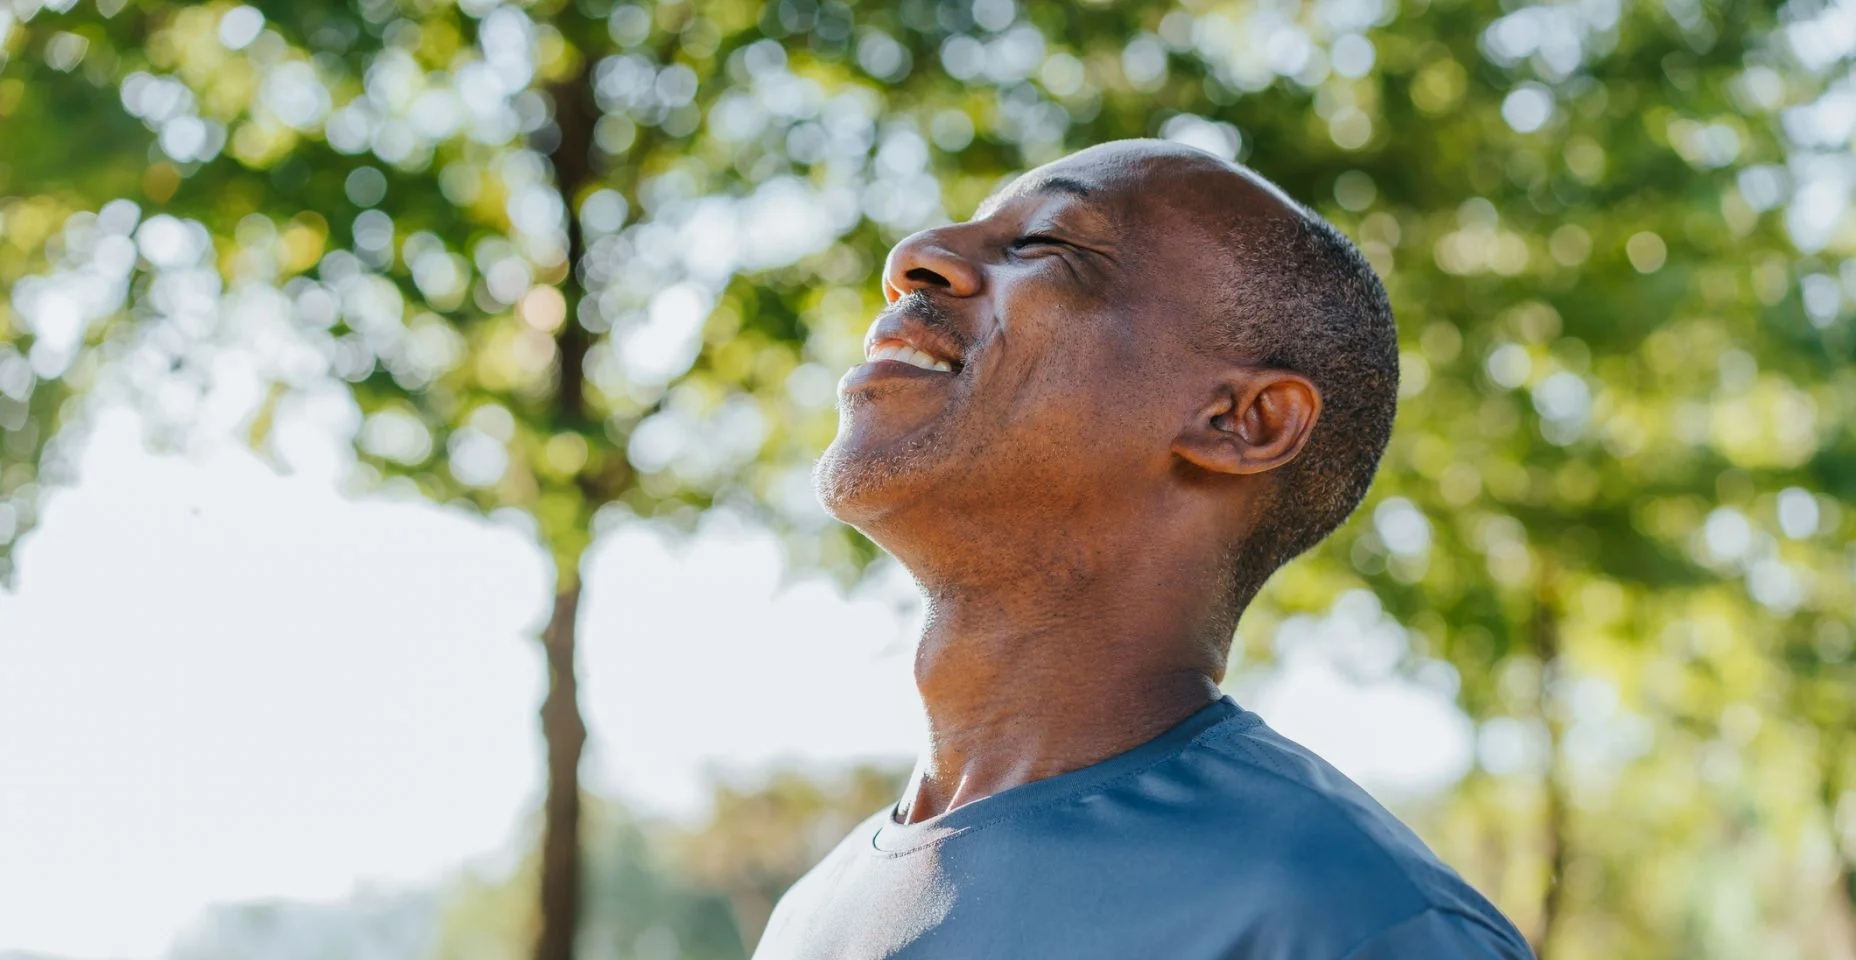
{"type": "Point", "coordinates": [1094, 419]}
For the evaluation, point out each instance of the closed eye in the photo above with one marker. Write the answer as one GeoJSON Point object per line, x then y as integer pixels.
{"type": "Point", "coordinates": [1035, 240]}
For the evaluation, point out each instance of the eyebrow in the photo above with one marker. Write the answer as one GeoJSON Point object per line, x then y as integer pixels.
{"type": "Point", "coordinates": [1051, 184]}
{"type": "Point", "coordinates": [1062, 185]}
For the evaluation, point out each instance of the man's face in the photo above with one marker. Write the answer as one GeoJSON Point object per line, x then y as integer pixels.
{"type": "Point", "coordinates": [1035, 362]}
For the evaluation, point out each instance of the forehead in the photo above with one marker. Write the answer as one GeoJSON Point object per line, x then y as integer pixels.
{"type": "Point", "coordinates": [1145, 183]}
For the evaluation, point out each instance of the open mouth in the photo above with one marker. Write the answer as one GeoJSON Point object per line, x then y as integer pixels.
{"type": "Point", "coordinates": [901, 352]}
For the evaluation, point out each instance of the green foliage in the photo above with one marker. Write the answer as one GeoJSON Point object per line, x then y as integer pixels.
{"type": "Point", "coordinates": [642, 901]}
{"type": "Point", "coordinates": [1618, 503]}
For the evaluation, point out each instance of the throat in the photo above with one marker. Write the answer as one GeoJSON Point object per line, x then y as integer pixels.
{"type": "Point", "coordinates": [1043, 662]}
{"type": "Point", "coordinates": [1015, 714]}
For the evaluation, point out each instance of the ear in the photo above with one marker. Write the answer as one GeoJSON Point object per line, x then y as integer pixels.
{"type": "Point", "coordinates": [1257, 421]}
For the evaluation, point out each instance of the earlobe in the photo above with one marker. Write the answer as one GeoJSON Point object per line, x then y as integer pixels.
{"type": "Point", "coordinates": [1257, 421]}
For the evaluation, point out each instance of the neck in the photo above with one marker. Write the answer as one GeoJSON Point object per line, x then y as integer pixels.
{"type": "Point", "coordinates": [1035, 675]}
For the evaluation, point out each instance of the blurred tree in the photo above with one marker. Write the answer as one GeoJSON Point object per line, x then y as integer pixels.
{"type": "Point", "coordinates": [642, 903]}
{"type": "Point", "coordinates": [565, 262]}
{"type": "Point", "coordinates": [369, 924]}
{"type": "Point", "coordinates": [659, 890]}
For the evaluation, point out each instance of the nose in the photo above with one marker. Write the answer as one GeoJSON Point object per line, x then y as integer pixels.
{"type": "Point", "coordinates": [926, 261]}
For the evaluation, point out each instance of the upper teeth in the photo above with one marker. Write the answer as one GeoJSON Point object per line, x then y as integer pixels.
{"type": "Point", "coordinates": [893, 350]}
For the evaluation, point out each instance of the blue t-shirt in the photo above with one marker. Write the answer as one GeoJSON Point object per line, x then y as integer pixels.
{"type": "Point", "coordinates": [1218, 839]}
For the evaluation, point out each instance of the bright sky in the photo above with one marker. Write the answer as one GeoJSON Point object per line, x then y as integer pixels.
{"type": "Point", "coordinates": [220, 683]}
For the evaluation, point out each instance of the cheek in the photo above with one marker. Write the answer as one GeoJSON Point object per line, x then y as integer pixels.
{"type": "Point", "coordinates": [1044, 325]}
{"type": "Point", "coordinates": [1074, 382]}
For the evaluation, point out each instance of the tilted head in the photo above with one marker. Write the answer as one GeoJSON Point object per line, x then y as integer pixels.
{"type": "Point", "coordinates": [1137, 347]}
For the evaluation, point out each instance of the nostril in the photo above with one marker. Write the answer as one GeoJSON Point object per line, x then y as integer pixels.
{"type": "Point", "coordinates": [927, 276]}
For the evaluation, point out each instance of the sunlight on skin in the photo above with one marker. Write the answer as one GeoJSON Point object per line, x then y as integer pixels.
{"type": "Point", "coordinates": [223, 684]}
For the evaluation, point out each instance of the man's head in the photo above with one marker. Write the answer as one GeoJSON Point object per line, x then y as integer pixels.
{"type": "Point", "coordinates": [1138, 346]}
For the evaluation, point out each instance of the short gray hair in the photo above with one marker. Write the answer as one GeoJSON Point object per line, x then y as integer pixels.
{"type": "Point", "coordinates": [1305, 300]}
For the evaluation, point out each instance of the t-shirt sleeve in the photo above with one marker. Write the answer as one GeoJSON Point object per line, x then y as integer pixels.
{"type": "Point", "coordinates": [1442, 935]}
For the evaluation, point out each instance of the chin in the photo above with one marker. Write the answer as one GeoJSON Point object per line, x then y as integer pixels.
{"type": "Point", "coordinates": [854, 486]}
{"type": "Point", "coordinates": [861, 483]}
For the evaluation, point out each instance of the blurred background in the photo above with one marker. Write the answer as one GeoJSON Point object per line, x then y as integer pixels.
{"type": "Point", "coordinates": [407, 406]}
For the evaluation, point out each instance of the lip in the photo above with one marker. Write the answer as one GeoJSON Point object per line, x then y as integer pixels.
{"type": "Point", "coordinates": [875, 372]}
{"type": "Point", "coordinates": [905, 327]}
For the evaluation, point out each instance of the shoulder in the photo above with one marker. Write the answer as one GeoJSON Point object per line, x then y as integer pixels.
{"type": "Point", "coordinates": [1261, 781]}
{"type": "Point", "coordinates": [820, 882]}
{"type": "Point", "coordinates": [1264, 817]}
{"type": "Point", "coordinates": [1440, 934]}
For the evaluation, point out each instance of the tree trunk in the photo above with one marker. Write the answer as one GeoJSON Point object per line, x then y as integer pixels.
{"type": "Point", "coordinates": [561, 725]}
{"type": "Point", "coordinates": [565, 734]}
